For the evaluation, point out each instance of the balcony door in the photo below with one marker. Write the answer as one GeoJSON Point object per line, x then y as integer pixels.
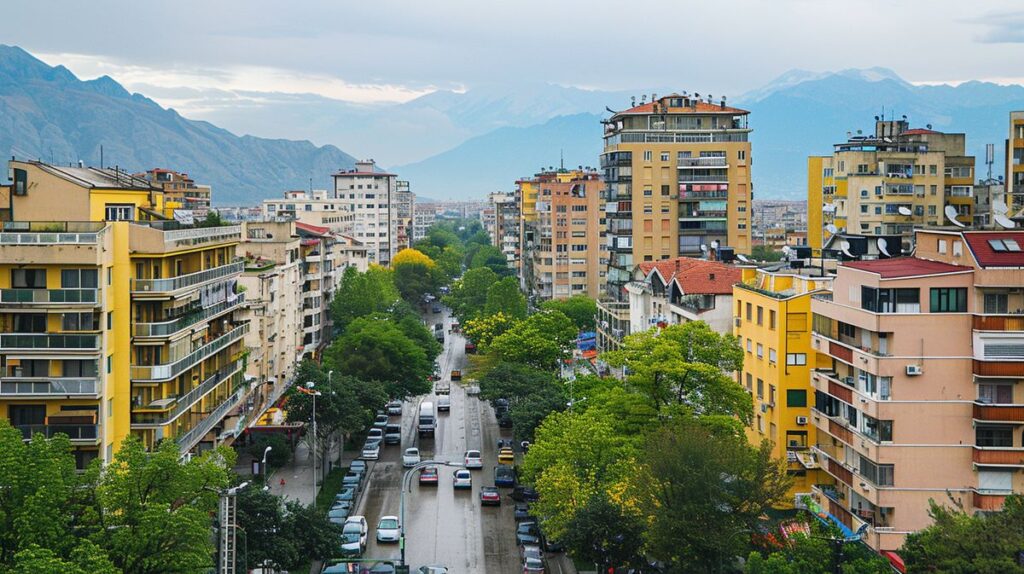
{"type": "Point", "coordinates": [26, 414]}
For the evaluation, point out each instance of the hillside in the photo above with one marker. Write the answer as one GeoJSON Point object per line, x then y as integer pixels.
{"type": "Point", "coordinates": [47, 113]}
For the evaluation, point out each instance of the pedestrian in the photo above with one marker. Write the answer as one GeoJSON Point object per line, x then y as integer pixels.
{"type": "Point", "coordinates": [282, 483]}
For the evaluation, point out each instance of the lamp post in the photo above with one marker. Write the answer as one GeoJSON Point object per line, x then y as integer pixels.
{"type": "Point", "coordinates": [263, 465]}
{"type": "Point", "coordinates": [228, 527]}
{"type": "Point", "coordinates": [308, 389]}
{"type": "Point", "coordinates": [406, 485]}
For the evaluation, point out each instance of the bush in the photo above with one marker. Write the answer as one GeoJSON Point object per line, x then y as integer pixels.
{"type": "Point", "coordinates": [280, 453]}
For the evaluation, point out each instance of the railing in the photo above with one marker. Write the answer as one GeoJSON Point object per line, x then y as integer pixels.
{"type": "Point", "coordinates": [169, 371]}
{"type": "Point", "coordinates": [190, 438]}
{"type": "Point", "coordinates": [44, 386]}
{"type": "Point", "coordinates": [704, 194]}
{"type": "Point", "coordinates": [999, 456]}
{"type": "Point", "coordinates": [50, 232]}
{"type": "Point", "coordinates": [995, 412]}
{"type": "Point", "coordinates": [184, 402]}
{"type": "Point", "coordinates": [999, 368]}
{"type": "Point", "coordinates": [167, 328]}
{"type": "Point", "coordinates": [74, 432]}
{"type": "Point", "coordinates": [703, 162]}
{"type": "Point", "coordinates": [689, 177]}
{"type": "Point", "coordinates": [44, 296]}
{"type": "Point", "coordinates": [183, 281]}
{"type": "Point", "coordinates": [998, 323]}
{"type": "Point", "coordinates": [659, 137]}
{"type": "Point", "coordinates": [12, 341]}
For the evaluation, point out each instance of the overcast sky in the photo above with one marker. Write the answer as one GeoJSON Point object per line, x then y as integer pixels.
{"type": "Point", "coordinates": [390, 50]}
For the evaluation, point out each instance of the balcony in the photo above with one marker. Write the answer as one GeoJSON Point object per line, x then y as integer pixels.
{"type": "Point", "coordinates": [168, 236]}
{"type": "Point", "coordinates": [193, 436]}
{"type": "Point", "coordinates": [77, 433]}
{"type": "Point", "coordinates": [156, 373]}
{"type": "Point", "coordinates": [49, 387]}
{"type": "Point", "coordinates": [48, 342]}
{"type": "Point", "coordinates": [999, 368]}
{"type": "Point", "coordinates": [988, 501]}
{"type": "Point", "coordinates": [998, 456]}
{"type": "Point", "coordinates": [696, 162]}
{"type": "Point", "coordinates": [180, 404]}
{"type": "Point", "coordinates": [168, 328]}
{"type": "Point", "coordinates": [999, 413]}
{"type": "Point", "coordinates": [172, 284]}
{"type": "Point", "coordinates": [999, 322]}
{"type": "Point", "coordinates": [685, 177]}
{"type": "Point", "coordinates": [47, 297]}
{"type": "Point", "coordinates": [50, 232]}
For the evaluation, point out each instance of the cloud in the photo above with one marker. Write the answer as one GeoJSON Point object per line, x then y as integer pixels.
{"type": "Point", "coordinates": [1002, 28]}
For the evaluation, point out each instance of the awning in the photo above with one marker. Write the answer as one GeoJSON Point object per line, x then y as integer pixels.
{"type": "Point", "coordinates": [895, 560]}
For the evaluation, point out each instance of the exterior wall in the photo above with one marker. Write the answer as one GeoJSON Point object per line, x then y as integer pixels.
{"type": "Point", "coordinates": [374, 215]}
{"type": "Point", "coordinates": [1015, 162]}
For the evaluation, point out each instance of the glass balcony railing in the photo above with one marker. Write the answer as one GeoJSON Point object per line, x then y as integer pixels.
{"type": "Point", "coordinates": [189, 280]}
{"type": "Point", "coordinates": [168, 328]}
{"type": "Point", "coordinates": [48, 386]}
{"type": "Point", "coordinates": [190, 438]}
{"type": "Point", "coordinates": [74, 432]}
{"type": "Point", "coordinates": [50, 232]}
{"type": "Point", "coordinates": [49, 296]}
{"type": "Point", "coordinates": [42, 341]}
{"type": "Point", "coordinates": [184, 402]}
{"type": "Point", "coordinates": [171, 370]}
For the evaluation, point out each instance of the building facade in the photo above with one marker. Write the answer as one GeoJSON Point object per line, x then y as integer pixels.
{"type": "Point", "coordinates": [405, 206]}
{"type": "Point", "coordinates": [424, 215]}
{"type": "Point", "coordinates": [505, 231]}
{"type": "Point", "coordinates": [180, 189]}
{"type": "Point", "coordinates": [1015, 164]}
{"type": "Point", "coordinates": [680, 290]}
{"type": "Point", "coordinates": [312, 208]}
{"type": "Point", "coordinates": [372, 197]}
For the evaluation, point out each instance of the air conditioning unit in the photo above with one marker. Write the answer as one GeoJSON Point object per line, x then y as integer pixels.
{"type": "Point", "coordinates": [764, 408]}
{"type": "Point", "coordinates": [801, 421]}
{"type": "Point", "coordinates": [736, 321]}
{"type": "Point", "coordinates": [914, 370]}
{"type": "Point", "coordinates": [794, 443]}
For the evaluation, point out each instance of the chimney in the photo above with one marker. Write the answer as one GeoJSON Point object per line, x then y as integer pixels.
{"type": "Point", "coordinates": [711, 276]}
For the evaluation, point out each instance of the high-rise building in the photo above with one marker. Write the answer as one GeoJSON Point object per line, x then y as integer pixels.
{"type": "Point", "coordinates": [115, 320]}
{"type": "Point", "coordinates": [424, 215]}
{"type": "Point", "coordinates": [405, 209]}
{"type": "Point", "coordinates": [371, 196]}
{"type": "Point", "coordinates": [772, 320]}
{"type": "Point", "coordinates": [561, 255]}
{"type": "Point", "coordinates": [919, 387]}
{"type": "Point", "coordinates": [312, 208]}
{"type": "Point", "coordinates": [180, 189]}
{"type": "Point", "coordinates": [504, 231]}
{"type": "Point", "coordinates": [888, 183]}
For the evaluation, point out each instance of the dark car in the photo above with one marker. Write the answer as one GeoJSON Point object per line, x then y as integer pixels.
{"type": "Point", "coordinates": [504, 443]}
{"type": "Point", "coordinates": [552, 545]}
{"type": "Point", "coordinates": [505, 421]}
{"type": "Point", "coordinates": [393, 434]}
{"type": "Point", "coordinates": [525, 494]}
{"type": "Point", "coordinates": [522, 512]}
{"type": "Point", "coordinates": [504, 475]}
{"type": "Point", "coordinates": [436, 308]}
{"type": "Point", "coordinates": [527, 532]}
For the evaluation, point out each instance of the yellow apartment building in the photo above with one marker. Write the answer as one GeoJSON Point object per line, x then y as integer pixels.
{"type": "Point", "coordinates": [773, 323]}
{"type": "Point", "coordinates": [889, 183]}
{"type": "Point", "coordinates": [180, 189]}
{"type": "Point", "coordinates": [1015, 163]}
{"type": "Point", "coordinates": [114, 320]}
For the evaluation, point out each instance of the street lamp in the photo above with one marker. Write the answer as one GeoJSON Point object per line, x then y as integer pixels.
{"type": "Point", "coordinates": [227, 527]}
{"type": "Point", "coordinates": [308, 389]}
{"type": "Point", "coordinates": [406, 485]}
{"type": "Point", "coordinates": [263, 465]}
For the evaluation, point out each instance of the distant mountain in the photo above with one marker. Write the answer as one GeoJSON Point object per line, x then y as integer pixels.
{"type": "Point", "coordinates": [47, 113]}
{"type": "Point", "coordinates": [493, 162]}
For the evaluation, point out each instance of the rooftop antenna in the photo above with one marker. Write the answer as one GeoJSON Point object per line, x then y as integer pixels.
{"type": "Point", "coordinates": [990, 152]}
{"type": "Point", "coordinates": [101, 156]}
{"type": "Point", "coordinates": [561, 158]}
{"type": "Point", "coordinates": [632, 101]}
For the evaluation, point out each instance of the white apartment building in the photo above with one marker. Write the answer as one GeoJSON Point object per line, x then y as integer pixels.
{"type": "Point", "coordinates": [424, 216]}
{"type": "Point", "coordinates": [372, 197]}
{"type": "Point", "coordinates": [313, 208]}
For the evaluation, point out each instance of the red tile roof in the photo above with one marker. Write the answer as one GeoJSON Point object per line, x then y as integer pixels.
{"type": "Point", "coordinates": [312, 228]}
{"type": "Point", "coordinates": [978, 241]}
{"type": "Point", "coordinates": [702, 108]}
{"type": "Point", "coordinates": [695, 276]}
{"type": "Point", "coordinates": [905, 267]}
{"type": "Point", "coordinates": [918, 132]}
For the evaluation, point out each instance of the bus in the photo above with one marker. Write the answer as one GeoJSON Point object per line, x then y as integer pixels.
{"type": "Point", "coordinates": [428, 419]}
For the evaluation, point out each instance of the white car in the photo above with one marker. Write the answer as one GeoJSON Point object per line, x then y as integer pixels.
{"type": "Point", "coordinates": [388, 529]}
{"type": "Point", "coordinates": [462, 478]}
{"type": "Point", "coordinates": [353, 536]}
{"type": "Point", "coordinates": [371, 451]}
{"type": "Point", "coordinates": [472, 460]}
{"type": "Point", "coordinates": [375, 434]}
{"type": "Point", "coordinates": [411, 457]}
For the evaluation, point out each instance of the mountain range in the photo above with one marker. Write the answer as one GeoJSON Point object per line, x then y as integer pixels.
{"type": "Point", "coordinates": [450, 145]}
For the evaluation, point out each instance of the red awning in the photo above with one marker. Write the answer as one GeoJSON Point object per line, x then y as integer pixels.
{"type": "Point", "coordinates": [895, 560]}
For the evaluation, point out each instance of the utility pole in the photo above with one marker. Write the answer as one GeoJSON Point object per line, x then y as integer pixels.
{"type": "Point", "coordinates": [228, 526]}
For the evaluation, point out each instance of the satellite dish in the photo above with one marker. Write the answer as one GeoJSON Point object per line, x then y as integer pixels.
{"type": "Point", "coordinates": [951, 214]}
{"type": "Point", "coordinates": [831, 228]}
{"type": "Point", "coordinates": [844, 246]}
{"type": "Point", "coordinates": [828, 208]}
{"type": "Point", "coordinates": [742, 258]}
{"type": "Point", "coordinates": [883, 247]}
{"type": "Point", "coordinates": [703, 248]}
{"type": "Point", "coordinates": [905, 210]}
{"type": "Point", "coordinates": [999, 207]}
{"type": "Point", "coordinates": [714, 244]}
{"type": "Point", "coordinates": [1004, 221]}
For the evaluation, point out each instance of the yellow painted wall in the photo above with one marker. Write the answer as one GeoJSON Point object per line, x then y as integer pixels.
{"type": "Point", "coordinates": [98, 199]}
{"type": "Point", "coordinates": [814, 201]}
{"type": "Point", "coordinates": [118, 384]}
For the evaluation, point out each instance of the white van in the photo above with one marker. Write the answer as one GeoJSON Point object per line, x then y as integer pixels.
{"type": "Point", "coordinates": [444, 403]}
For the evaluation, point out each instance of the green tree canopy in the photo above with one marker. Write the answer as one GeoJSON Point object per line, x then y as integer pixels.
{"type": "Point", "coordinates": [817, 554]}
{"type": "Point", "coordinates": [414, 280]}
{"type": "Point", "coordinates": [287, 534]}
{"type": "Point", "coordinates": [540, 341]}
{"type": "Point", "coordinates": [580, 308]}
{"type": "Point", "coordinates": [362, 294]}
{"type": "Point", "coordinates": [484, 329]}
{"type": "Point", "coordinates": [505, 297]}
{"type": "Point", "coordinates": [490, 257]}
{"type": "Point", "coordinates": [469, 295]}
{"type": "Point", "coordinates": [372, 349]}
{"type": "Point", "coordinates": [602, 533]}
{"type": "Point", "coordinates": [533, 395]}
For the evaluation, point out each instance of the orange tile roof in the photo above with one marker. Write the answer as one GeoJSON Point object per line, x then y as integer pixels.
{"type": "Point", "coordinates": [695, 276]}
{"type": "Point", "coordinates": [701, 108]}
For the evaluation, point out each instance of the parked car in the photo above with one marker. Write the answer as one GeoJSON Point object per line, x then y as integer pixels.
{"type": "Point", "coordinates": [436, 308]}
{"type": "Point", "coordinates": [462, 478]}
{"type": "Point", "coordinates": [411, 457]}
{"type": "Point", "coordinates": [501, 406]}
{"type": "Point", "coordinates": [506, 456]}
{"type": "Point", "coordinates": [527, 532]}
{"type": "Point", "coordinates": [472, 460]}
{"type": "Point", "coordinates": [388, 529]}
{"type": "Point", "coordinates": [552, 545]}
{"type": "Point", "coordinates": [346, 493]}
{"type": "Point", "coordinates": [522, 512]}
{"type": "Point", "coordinates": [393, 434]}
{"type": "Point", "coordinates": [504, 443]}
{"type": "Point", "coordinates": [376, 433]}
{"type": "Point", "coordinates": [381, 421]}
{"type": "Point", "coordinates": [533, 559]}
{"type": "Point", "coordinates": [525, 494]}
{"type": "Point", "coordinates": [338, 514]}
{"type": "Point", "coordinates": [504, 475]}
{"type": "Point", "coordinates": [470, 347]}
{"type": "Point", "coordinates": [489, 496]}
{"type": "Point", "coordinates": [456, 375]}
{"type": "Point", "coordinates": [371, 450]}
{"type": "Point", "coordinates": [352, 479]}
{"type": "Point", "coordinates": [505, 421]}
{"type": "Point", "coordinates": [439, 326]}
{"type": "Point", "coordinates": [444, 403]}
{"type": "Point", "coordinates": [394, 408]}
{"type": "Point", "coordinates": [432, 569]}
{"type": "Point", "coordinates": [353, 536]}
{"type": "Point", "coordinates": [357, 466]}
{"type": "Point", "coordinates": [428, 476]}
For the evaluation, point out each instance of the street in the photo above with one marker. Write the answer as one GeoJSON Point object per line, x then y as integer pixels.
{"type": "Point", "coordinates": [444, 526]}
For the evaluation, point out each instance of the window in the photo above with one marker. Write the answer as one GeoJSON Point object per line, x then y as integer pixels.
{"type": "Point", "coordinates": [760, 389]}
{"type": "Point", "coordinates": [30, 323]}
{"type": "Point", "coordinates": [110, 363]}
{"type": "Point", "coordinates": [20, 182]}
{"type": "Point", "coordinates": [1001, 436]}
{"type": "Point", "coordinates": [120, 212]}
{"type": "Point", "coordinates": [648, 192]}
{"type": "Point", "coordinates": [772, 355]}
{"type": "Point", "coordinates": [771, 320]}
{"type": "Point", "coordinates": [879, 474]}
{"type": "Point", "coordinates": [876, 430]}
{"type": "Point", "coordinates": [760, 351]}
{"type": "Point", "coordinates": [890, 300]}
{"type": "Point", "coordinates": [749, 311]}
{"type": "Point", "coordinates": [750, 345]}
{"type": "Point", "coordinates": [942, 246]}
{"type": "Point", "coordinates": [949, 300]}
{"type": "Point", "coordinates": [996, 303]}
{"type": "Point", "coordinates": [647, 155]}
{"type": "Point", "coordinates": [847, 330]}
{"type": "Point", "coordinates": [796, 398]}
{"type": "Point", "coordinates": [796, 359]}
{"type": "Point", "coordinates": [771, 394]}
{"type": "Point", "coordinates": [78, 278]}
{"type": "Point", "coordinates": [110, 319]}
{"type": "Point", "coordinates": [28, 278]}
{"type": "Point", "coordinates": [664, 156]}
{"type": "Point", "coordinates": [78, 368]}
{"type": "Point", "coordinates": [110, 275]}
{"type": "Point", "coordinates": [750, 382]}
{"type": "Point", "coordinates": [77, 322]}
{"type": "Point", "coordinates": [742, 155]}
{"type": "Point", "coordinates": [760, 315]}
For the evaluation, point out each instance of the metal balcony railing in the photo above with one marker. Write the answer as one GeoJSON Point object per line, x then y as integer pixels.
{"type": "Point", "coordinates": [184, 402]}
{"type": "Point", "coordinates": [74, 432]}
{"type": "Point", "coordinates": [47, 386]}
{"type": "Point", "coordinates": [49, 296]}
{"type": "Point", "coordinates": [189, 280]}
{"type": "Point", "coordinates": [168, 328]}
{"type": "Point", "coordinates": [43, 341]}
{"type": "Point", "coordinates": [50, 232]}
{"type": "Point", "coordinates": [190, 438]}
{"type": "Point", "coordinates": [703, 162]}
{"type": "Point", "coordinates": [171, 370]}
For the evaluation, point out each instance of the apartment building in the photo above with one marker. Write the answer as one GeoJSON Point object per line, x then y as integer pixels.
{"type": "Point", "coordinates": [114, 320]}
{"type": "Point", "coordinates": [563, 257]}
{"type": "Point", "coordinates": [424, 215]}
{"type": "Point", "coordinates": [990, 194]}
{"type": "Point", "coordinates": [180, 189]}
{"type": "Point", "coordinates": [772, 320]}
{"type": "Point", "coordinates": [676, 291]}
{"type": "Point", "coordinates": [312, 208]}
{"type": "Point", "coordinates": [371, 196]}
{"type": "Point", "coordinates": [504, 231]}
{"type": "Point", "coordinates": [272, 283]}
{"type": "Point", "coordinates": [1015, 163]}
{"type": "Point", "coordinates": [405, 209]}
{"type": "Point", "coordinates": [918, 383]}
{"type": "Point", "coordinates": [890, 182]}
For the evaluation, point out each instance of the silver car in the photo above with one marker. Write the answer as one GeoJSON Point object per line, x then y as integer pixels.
{"type": "Point", "coordinates": [472, 460]}
{"type": "Point", "coordinates": [388, 529]}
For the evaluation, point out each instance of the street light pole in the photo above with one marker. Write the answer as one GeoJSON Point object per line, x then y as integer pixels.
{"type": "Point", "coordinates": [227, 528]}
{"type": "Point", "coordinates": [263, 465]}
{"type": "Point", "coordinates": [308, 389]}
{"type": "Point", "coordinates": [406, 485]}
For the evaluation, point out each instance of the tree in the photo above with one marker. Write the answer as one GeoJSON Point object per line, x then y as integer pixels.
{"type": "Point", "coordinates": [686, 365]}
{"type": "Point", "coordinates": [958, 542]}
{"type": "Point", "coordinates": [409, 256]}
{"type": "Point", "coordinates": [371, 349]}
{"type": "Point", "coordinates": [280, 450]}
{"type": "Point", "coordinates": [414, 280]}
{"type": "Point", "coordinates": [285, 534]}
{"type": "Point", "coordinates": [489, 256]}
{"type": "Point", "coordinates": [362, 294]}
{"type": "Point", "coordinates": [818, 554]}
{"type": "Point", "coordinates": [469, 295]}
{"type": "Point", "coordinates": [602, 533]}
{"type": "Point", "coordinates": [533, 395]}
{"type": "Point", "coordinates": [765, 253]}
{"type": "Point", "coordinates": [449, 261]}
{"type": "Point", "coordinates": [505, 297]}
{"type": "Point", "coordinates": [580, 308]}
{"type": "Point", "coordinates": [540, 341]}
{"type": "Point", "coordinates": [484, 329]}
{"type": "Point", "coordinates": [87, 558]}
{"type": "Point", "coordinates": [699, 486]}
{"type": "Point", "coordinates": [531, 410]}
{"type": "Point", "coordinates": [417, 332]}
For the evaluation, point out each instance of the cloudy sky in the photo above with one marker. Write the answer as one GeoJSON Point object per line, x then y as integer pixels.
{"type": "Point", "coordinates": [391, 50]}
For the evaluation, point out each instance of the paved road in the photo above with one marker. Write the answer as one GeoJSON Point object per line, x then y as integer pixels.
{"type": "Point", "coordinates": [444, 526]}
